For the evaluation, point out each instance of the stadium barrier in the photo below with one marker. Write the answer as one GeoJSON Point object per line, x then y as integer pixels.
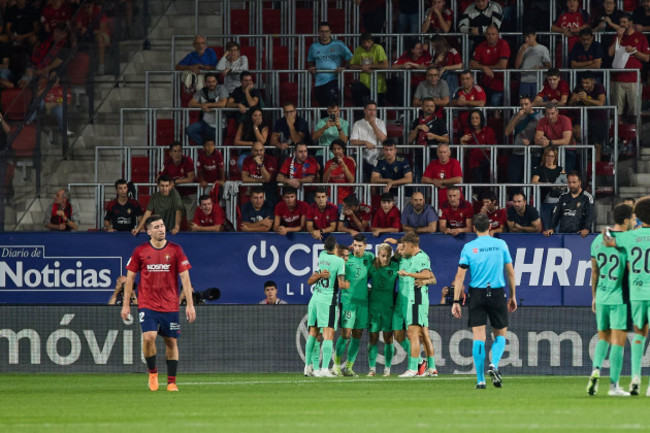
{"type": "Point", "coordinates": [81, 268]}
{"type": "Point", "coordinates": [271, 339]}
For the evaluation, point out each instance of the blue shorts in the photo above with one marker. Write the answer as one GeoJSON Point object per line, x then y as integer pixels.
{"type": "Point", "coordinates": [165, 323]}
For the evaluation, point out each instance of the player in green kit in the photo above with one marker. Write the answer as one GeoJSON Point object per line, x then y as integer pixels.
{"type": "Point", "coordinates": [417, 266]}
{"type": "Point", "coordinates": [383, 276]}
{"type": "Point", "coordinates": [354, 305]}
{"type": "Point", "coordinates": [636, 244]}
{"type": "Point", "coordinates": [608, 275]}
{"type": "Point", "coordinates": [322, 305]}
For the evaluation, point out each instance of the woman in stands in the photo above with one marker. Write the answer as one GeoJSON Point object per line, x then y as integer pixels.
{"type": "Point", "coordinates": [254, 128]}
{"type": "Point", "coordinates": [231, 65]}
{"type": "Point", "coordinates": [549, 172]}
{"type": "Point", "coordinates": [438, 19]}
{"type": "Point", "coordinates": [414, 58]}
{"type": "Point", "coordinates": [447, 59]}
{"type": "Point", "coordinates": [478, 133]}
{"type": "Point", "coordinates": [340, 169]}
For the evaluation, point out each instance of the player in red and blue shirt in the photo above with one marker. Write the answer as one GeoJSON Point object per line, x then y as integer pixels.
{"type": "Point", "coordinates": [159, 263]}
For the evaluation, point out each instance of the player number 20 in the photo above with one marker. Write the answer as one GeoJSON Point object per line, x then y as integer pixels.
{"type": "Point", "coordinates": [637, 255]}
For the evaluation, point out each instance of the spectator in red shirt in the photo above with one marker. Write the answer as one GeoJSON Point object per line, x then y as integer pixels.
{"type": "Point", "coordinates": [260, 167]}
{"type": "Point", "coordinates": [180, 169]}
{"type": "Point", "coordinates": [455, 214]}
{"type": "Point", "coordinates": [555, 130]}
{"type": "Point", "coordinates": [438, 19]}
{"type": "Point", "coordinates": [447, 60]}
{"type": "Point", "coordinates": [387, 217]}
{"type": "Point", "coordinates": [571, 21]}
{"type": "Point", "coordinates": [355, 216]}
{"type": "Point", "coordinates": [414, 58]}
{"type": "Point", "coordinates": [555, 91]}
{"type": "Point", "coordinates": [497, 216]}
{"type": "Point", "coordinates": [322, 216]}
{"type": "Point", "coordinates": [209, 166]}
{"type": "Point", "coordinates": [300, 168]}
{"type": "Point", "coordinates": [478, 133]}
{"type": "Point", "coordinates": [443, 172]}
{"type": "Point", "coordinates": [290, 213]}
{"type": "Point", "coordinates": [58, 11]}
{"type": "Point", "coordinates": [340, 169]}
{"type": "Point", "coordinates": [468, 95]}
{"type": "Point", "coordinates": [625, 85]}
{"type": "Point", "coordinates": [209, 217]}
{"type": "Point", "coordinates": [491, 54]}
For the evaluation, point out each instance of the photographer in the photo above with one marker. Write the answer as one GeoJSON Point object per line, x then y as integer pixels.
{"type": "Point", "coordinates": [117, 298]}
{"type": "Point", "coordinates": [447, 293]}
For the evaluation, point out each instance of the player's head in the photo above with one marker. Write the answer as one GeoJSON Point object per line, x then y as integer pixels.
{"type": "Point", "coordinates": [623, 216]}
{"type": "Point", "coordinates": [271, 291]}
{"type": "Point", "coordinates": [359, 244]}
{"type": "Point", "coordinates": [330, 244]}
{"type": "Point", "coordinates": [155, 227]}
{"type": "Point", "coordinates": [343, 252]}
{"type": "Point", "coordinates": [164, 184]}
{"type": "Point", "coordinates": [642, 210]}
{"type": "Point", "coordinates": [410, 242]}
{"type": "Point", "coordinates": [321, 196]}
{"type": "Point", "coordinates": [289, 196]}
{"type": "Point", "coordinates": [384, 254]}
{"type": "Point", "coordinates": [481, 223]}
{"type": "Point", "coordinates": [205, 203]}
{"type": "Point", "coordinates": [122, 188]}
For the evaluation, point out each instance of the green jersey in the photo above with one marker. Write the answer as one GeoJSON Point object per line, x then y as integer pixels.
{"type": "Point", "coordinates": [403, 288]}
{"type": "Point", "coordinates": [612, 270]}
{"type": "Point", "coordinates": [356, 272]}
{"type": "Point", "coordinates": [326, 288]}
{"type": "Point", "coordinates": [383, 286]}
{"type": "Point", "coordinates": [416, 264]}
{"type": "Point", "coordinates": [636, 244]}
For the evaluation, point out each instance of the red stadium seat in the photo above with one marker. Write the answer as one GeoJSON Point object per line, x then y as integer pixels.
{"type": "Point", "coordinates": [251, 53]}
{"type": "Point", "coordinates": [272, 23]}
{"type": "Point", "coordinates": [239, 22]}
{"type": "Point", "coordinates": [336, 18]}
{"type": "Point", "coordinates": [23, 146]}
{"type": "Point", "coordinates": [280, 57]}
{"type": "Point", "coordinates": [15, 103]}
{"type": "Point", "coordinates": [140, 169]}
{"type": "Point", "coordinates": [288, 92]}
{"type": "Point", "coordinates": [305, 21]}
{"type": "Point", "coordinates": [164, 132]}
{"type": "Point", "coordinates": [78, 69]}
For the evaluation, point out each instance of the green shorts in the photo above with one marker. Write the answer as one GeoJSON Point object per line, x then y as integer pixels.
{"type": "Point", "coordinates": [640, 313]}
{"type": "Point", "coordinates": [399, 318]}
{"type": "Point", "coordinates": [381, 319]}
{"type": "Point", "coordinates": [354, 316]}
{"type": "Point", "coordinates": [417, 314]}
{"type": "Point", "coordinates": [321, 314]}
{"type": "Point", "coordinates": [611, 317]}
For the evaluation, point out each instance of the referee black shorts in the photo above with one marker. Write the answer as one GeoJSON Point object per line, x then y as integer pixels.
{"type": "Point", "coordinates": [484, 303]}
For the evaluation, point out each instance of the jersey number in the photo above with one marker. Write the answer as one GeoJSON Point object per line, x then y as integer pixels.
{"type": "Point", "coordinates": [614, 262]}
{"type": "Point", "coordinates": [141, 316]}
{"type": "Point", "coordinates": [325, 282]}
{"type": "Point", "coordinates": [637, 255]}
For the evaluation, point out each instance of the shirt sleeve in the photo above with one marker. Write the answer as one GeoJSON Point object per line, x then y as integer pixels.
{"type": "Point", "coordinates": [182, 263]}
{"type": "Point", "coordinates": [507, 258]}
{"type": "Point", "coordinates": [464, 256]}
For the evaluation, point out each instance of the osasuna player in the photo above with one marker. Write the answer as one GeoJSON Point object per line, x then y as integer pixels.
{"type": "Point", "coordinates": [608, 277]}
{"type": "Point", "coordinates": [159, 263]}
{"type": "Point", "coordinates": [418, 266]}
{"type": "Point", "coordinates": [383, 276]}
{"type": "Point", "coordinates": [354, 306]}
{"type": "Point", "coordinates": [486, 258]}
{"type": "Point", "coordinates": [636, 244]}
{"type": "Point", "coordinates": [321, 312]}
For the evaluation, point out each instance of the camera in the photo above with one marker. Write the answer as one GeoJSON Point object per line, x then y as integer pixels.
{"type": "Point", "coordinates": [211, 294]}
{"type": "Point", "coordinates": [332, 118]}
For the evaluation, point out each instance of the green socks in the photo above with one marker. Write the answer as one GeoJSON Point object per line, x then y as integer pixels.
{"type": "Point", "coordinates": [615, 363]}
{"type": "Point", "coordinates": [638, 343]}
{"type": "Point", "coordinates": [328, 346]}
{"type": "Point", "coordinates": [372, 355]}
{"type": "Point", "coordinates": [353, 351]}
{"type": "Point", "coordinates": [600, 353]}
{"type": "Point", "coordinates": [389, 351]}
{"type": "Point", "coordinates": [431, 363]}
{"type": "Point", "coordinates": [309, 349]}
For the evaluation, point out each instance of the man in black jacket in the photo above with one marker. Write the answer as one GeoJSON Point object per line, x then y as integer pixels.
{"type": "Point", "coordinates": [575, 209]}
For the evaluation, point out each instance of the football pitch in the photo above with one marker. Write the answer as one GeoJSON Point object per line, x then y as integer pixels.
{"type": "Point", "coordinates": [293, 403]}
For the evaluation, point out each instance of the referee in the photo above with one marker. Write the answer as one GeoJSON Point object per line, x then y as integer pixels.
{"type": "Point", "coordinates": [486, 258]}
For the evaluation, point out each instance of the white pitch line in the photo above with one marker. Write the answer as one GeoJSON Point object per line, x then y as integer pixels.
{"type": "Point", "coordinates": [330, 380]}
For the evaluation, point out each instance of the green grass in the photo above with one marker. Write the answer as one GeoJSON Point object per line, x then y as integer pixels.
{"type": "Point", "coordinates": [292, 403]}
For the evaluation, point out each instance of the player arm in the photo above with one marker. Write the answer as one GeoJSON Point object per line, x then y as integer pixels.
{"type": "Point", "coordinates": [497, 230]}
{"type": "Point", "coordinates": [442, 223]}
{"type": "Point", "coordinates": [330, 229]}
{"type": "Point", "coordinates": [190, 313]}
{"type": "Point", "coordinates": [510, 273]}
{"type": "Point", "coordinates": [595, 274]}
{"type": "Point", "coordinates": [177, 221]}
{"type": "Point", "coordinates": [128, 290]}
{"type": "Point", "coordinates": [467, 228]}
{"type": "Point", "coordinates": [432, 227]}
{"type": "Point", "coordinates": [140, 226]}
{"type": "Point", "coordinates": [343, 283]}
{"type": "Point", "coordinates": [459, 281]}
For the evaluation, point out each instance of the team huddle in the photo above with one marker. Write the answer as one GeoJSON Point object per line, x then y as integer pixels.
{"type": "Point", "coordinates": [403, 316]}
{"type": "Point", "coordinates": [621, 291]}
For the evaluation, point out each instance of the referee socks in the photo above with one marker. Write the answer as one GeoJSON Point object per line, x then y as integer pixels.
{"type": "Point", "coordinates": [478, 352]}
{"type": "Point", "coordinates": [498, 348]}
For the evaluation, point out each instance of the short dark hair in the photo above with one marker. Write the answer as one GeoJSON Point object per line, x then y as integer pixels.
{"type": "Point", "coordinates": [488, 194]}
{"type": "Point", "coordinates": [366, 37]}
{"type": "Point", "coordinates": [289, 190]}
{"type": "Point", "coordinates": [588, 75]}
{"type": "Point", "coordinates": [390, 142]}
{"type": "Point", "coordinates": [371, 102]}
{"type": "Point", "coordinates": [323, 23]}
{"type": "Point", "coordinates": [521, 193]}
{"type": "Point", "coordinates": [466, 71]}
{"type": "Point", "coordinates": [642, 209]}
{"type": "Point", "coordinates": [622, 212]}
{"type": "Point", "coordinates": [257, 190]}
{"type": "Point", "coordinates": [164, 178]}
{"type": "Point", "coordinates": [586, 31]}
{"type": "Point", "coordinates": [529, 31]}
{"type": "Point", "coordinates": [175, 143]}
{"type": "Point", "coordinates": [481, 222]}
{"type": "Point", "coordinates": [553, 72]}
{"type": "Point", "coordinates": [244, 74]}
{"type": "Point", "coordinates": [152, 219]}
{"type": "Point", "coordinates": [270, 283]}
{"type": "Point", "coordinates": [120, 182]}
{"type": "Point", "coordinates": [574, 173]}
{"type": "Point", "coordinates": [411, 238]}
{"type": "Point", "coordinates": [232, 44]}
{"type": "Point", "coordinates": [387, 197]}
{"type": "Point", "coordinates": [626, 14]}
{"type": "Point", "coordinates": [351, 200]}
{"type": "Point", "coordinates": [338, 142]}
{"type": "Point", "coordinates": [360, 237]}
{"type": "Point", "coordinates": [322, 190]}
{"type": "Point", "coordinates": [428, 99]}
{"type": "Point", "coordinates": [333, 104]}
{"type": "Point", "coordinates": [211, 74]}
{"type": "Point", "coordinates": [330, 243]}
{"type": "Point", "coordinates": [204, 197]}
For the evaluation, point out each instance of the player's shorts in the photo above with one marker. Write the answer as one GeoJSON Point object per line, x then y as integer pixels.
{"type": "Point", "coordinates": [611, 317]}
{"type": "Point", "coordinates": [399, 318]}
{"type": "Point", "coordinates": [484, 303]}
{"type": "Point", "coordinates": [165, 323]}
{"type": "Point", "coordinates": [321, 314]}
{"type": "Point", "coordinates": [381, 319]}
{"type": "Point", "coordinates": [417, 314]}
{"type": "Point", "coordinates": [354, 316]}
{"type": "Point", "coordinates": [640, 313]}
